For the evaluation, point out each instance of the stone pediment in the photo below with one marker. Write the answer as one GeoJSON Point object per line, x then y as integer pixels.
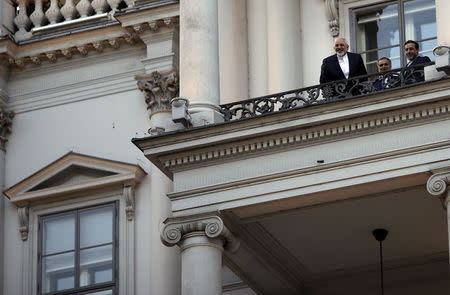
{"type": "Point", "coordinates": [70, 174]}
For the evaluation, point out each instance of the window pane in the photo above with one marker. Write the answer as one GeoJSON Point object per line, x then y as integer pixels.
{"type": "Point", "coordinates": [107, 292]}
{"type": "Point", "coordinates": [96, 265]}
{"type": "Point", "coordinates": [58, 272]}
{"type": "Point", "coordinates": [96, 226]}
{"type": "Point", "coordinates": [420, 19]}
{"type": "Point", "coordinates": [377, 27]}
{"type": "Point", "coordinates": [426, 48]}
{"type": "Point", "coordinates": [59, 234]}
{"type": "Point", "coordinates": [371, 58]}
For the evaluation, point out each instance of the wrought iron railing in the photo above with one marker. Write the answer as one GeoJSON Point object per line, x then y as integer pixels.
{"type": "Point", "coordinates": [324, 93]}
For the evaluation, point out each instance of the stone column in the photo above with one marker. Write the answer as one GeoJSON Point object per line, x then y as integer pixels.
{"type": "Point", "coordinates": [257, 47]}
{"type": "Point", "coordinates": [438, 185]}
{"type": "Point", "coordinates": [284, 50]}
{"type": "Point", "coordinates": [199, 59]}
{"type": "Point", "coordinates": [443, 29]}
{"type": "Point", "coordinates": [233, 51]}
{"type": "Point", "coordinates": [202, 239]}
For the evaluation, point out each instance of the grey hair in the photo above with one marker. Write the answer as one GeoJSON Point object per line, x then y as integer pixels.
{"type": "Point", "coordinates": [340, 38]}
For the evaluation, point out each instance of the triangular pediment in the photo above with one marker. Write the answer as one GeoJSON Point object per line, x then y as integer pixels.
{"type": "Point", "coordinates": [70, 174]}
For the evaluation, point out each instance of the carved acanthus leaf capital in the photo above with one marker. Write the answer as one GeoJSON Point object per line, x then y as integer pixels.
{"type": "Point", "coordinates": [5, 126]}
{"type": "Point", "coordinates": [437, 185]}
{"type": "Point", "coordinates": [159, 88]}
{"type": "Point", "coordinates": [332, 8]}
{"type": "Point", "coordinates": [212, 225]}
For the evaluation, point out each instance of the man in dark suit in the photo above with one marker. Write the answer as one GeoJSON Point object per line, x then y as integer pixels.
{"type": "Point", "coordinates": [386, 80]}
{"type": "Point", "coordinates": [414, 59]}
{"type": "Point", "coordinates": [342, 65]}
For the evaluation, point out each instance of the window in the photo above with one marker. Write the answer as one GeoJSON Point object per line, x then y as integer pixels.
{"type": "Point", "coordinates": [77, 251]}
{"type": "Point", "coordinates": [380, 30]}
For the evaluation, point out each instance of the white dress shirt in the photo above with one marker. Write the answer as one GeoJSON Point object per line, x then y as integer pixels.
{"type": "Point", "coordinates": [343, 62]}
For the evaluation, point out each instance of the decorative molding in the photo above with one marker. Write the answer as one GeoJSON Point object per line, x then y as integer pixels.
{"type": "Point", "coordinates": [5, 126]}
{"type": "Point", "coordinates": [211, 224]}
{"type": "Point", "coordinates": [438, 184]}
{"type": "Point", "coordinates": [128, 193]}
{"type": "Point", "coordinates": [159, 89]}
{"type": "Point", "coordinates": [332, 9]}
{"type": "Point", "coordinates": [45, 185]}
{"type": "Point", "coordinates": [82, 50]}
{"type": "Point", "coordinates": [306, 136]}
{"type": "Point", "coordinates": [154, 25]}
{"type": "Point", "coordinates": [22, 212]}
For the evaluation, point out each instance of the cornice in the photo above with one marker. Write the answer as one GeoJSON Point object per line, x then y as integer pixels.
{"type": "Point", "coordinates": [64, 47]}
{"type": "Point", "coordinates": [299, 136]}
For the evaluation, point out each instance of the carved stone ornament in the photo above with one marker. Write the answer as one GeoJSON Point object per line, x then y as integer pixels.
{"type": "Point", "coordinates": [437, 185]}
{"type": "Point", "coordinates": [159, 88]}
{"type": "Point", "coordinates": [23, 222]}
{"type": "Point", "coordinates": [5, 126]}
{"type": "Point", "coordinates": [332, 8]}
{"type": "Point", "coordinates": [211, 224]}
{"type": "Point", "coordinates": [128, 193]}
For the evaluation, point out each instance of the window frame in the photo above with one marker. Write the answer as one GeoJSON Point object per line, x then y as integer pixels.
{"type": "Point", "coordinates": [352, 14]}
{"type": "Point", "coordinates": [112, 285]}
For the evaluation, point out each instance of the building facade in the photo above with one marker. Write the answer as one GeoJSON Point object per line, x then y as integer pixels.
{"type": "Point", "coordinates": [185, 147]}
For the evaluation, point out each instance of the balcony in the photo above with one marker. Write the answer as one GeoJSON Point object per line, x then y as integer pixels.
{"type": "Point", "coordinates": [303, 176]}
{"type": "Point", "coordinates": [325, 93]}
{"type": "Point", "coordinates": [38, 19]}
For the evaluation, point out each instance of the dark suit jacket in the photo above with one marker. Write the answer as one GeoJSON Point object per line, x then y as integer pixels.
{"type": "Point", "coordinates": [420, 60]}
{"type": "Point", "coordinates": [418, 71]}
{"type": "Point", "coordinates": [331, 70]}
{"type": "Point", "coordinates": [387, 81]}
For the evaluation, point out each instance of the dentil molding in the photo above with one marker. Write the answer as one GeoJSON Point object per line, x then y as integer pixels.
{"type": "Point", "coordinates": [394, 119]}
{"type": "Point", "coordinates": [173, 229]}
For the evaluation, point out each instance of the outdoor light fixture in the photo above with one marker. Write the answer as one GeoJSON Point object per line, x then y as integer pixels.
{"type": "Point", "coordinates": [441, 50]}
{"type": "Point", "coordinates": [442, 54]}
{"type": "Point", "coordinates": [380, 235]}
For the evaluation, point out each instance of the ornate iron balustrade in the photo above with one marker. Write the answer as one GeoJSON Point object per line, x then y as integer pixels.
{"type": "Point", "coordinates": [324, 93]}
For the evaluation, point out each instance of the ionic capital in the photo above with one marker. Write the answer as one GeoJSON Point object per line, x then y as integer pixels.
{"type": "Point", "coordinates": [173, 229]}
{"type": "Point", "coordinates": [437, 185]}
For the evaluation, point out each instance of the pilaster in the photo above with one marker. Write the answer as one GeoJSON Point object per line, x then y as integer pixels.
{"type": "Point", "coordinates": [202, 239]}
{"type": "Point", "coordinates": [5, 129]}
{"type": "Point", "coordinates": [159, 88]}
{"type": "Point", "coordinates": [439, 185]}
